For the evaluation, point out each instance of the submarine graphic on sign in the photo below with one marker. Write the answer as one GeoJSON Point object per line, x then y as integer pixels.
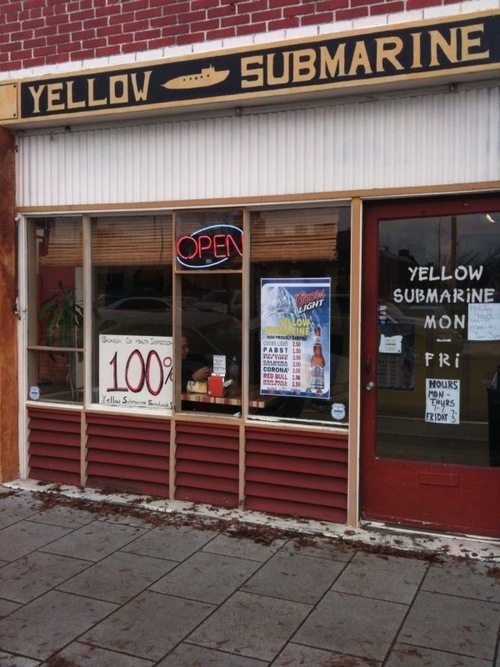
{"type": "Point", "coordinates": [208, 76]}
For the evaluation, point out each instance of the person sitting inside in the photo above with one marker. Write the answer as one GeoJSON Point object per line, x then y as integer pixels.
{"type": "Point", "coordinates": [194, 367]}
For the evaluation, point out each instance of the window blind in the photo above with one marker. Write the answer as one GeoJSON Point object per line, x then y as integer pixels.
{"type": "Point", "coordinates": [293, 235]}
{"type": "Point", "coordinates": [115, 242]}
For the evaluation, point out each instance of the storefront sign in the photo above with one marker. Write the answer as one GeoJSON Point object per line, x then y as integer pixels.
{"type": "Point", "coordinates": [136, 371]}
{"type": "Point", "coordinates": [442, 404]}
{"type": "Point", "coordinates": [483, 321]}
{"type": "Point", "coordinates": [295, 337]}
{"type": "Point", "coordinates": [419, 51]}
{"type": "Point", "coordinates": [432, 290]}
{"type": "Point", "coordinates": [210, 246]}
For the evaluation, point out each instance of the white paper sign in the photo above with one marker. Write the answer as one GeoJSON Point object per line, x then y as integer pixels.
{"type": "Point", "coordinates": [136, 371]}
{"type": "Point", "coordinates": [391, 344]}
{"type": "Point", "coordinates": [442, 401]}
{"type": "Point", "coordinates": [219, 364]}
{"type": "Point", "coordinates": [484, 321]}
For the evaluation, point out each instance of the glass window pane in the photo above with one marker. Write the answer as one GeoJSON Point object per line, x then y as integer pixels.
{"type": "Point", "coordinates": [132, 317]}
{"type": "Point", "coordinates": [56, 309]}
{"type": "Point", "coordinates": [439, 302]}
{"type": "Point", "coordinates": [55, 376]}
{"type": "Point", "coordinates": [299, 314]}
{"type": "Point", "coordinates": [210, 342]}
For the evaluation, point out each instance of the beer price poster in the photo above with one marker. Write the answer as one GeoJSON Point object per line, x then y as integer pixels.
{"type": "Point", "coordinates": [295, 337]}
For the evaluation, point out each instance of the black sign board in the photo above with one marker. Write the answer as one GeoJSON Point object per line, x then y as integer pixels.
{"type": "Point", "coordinates": [421, 50]}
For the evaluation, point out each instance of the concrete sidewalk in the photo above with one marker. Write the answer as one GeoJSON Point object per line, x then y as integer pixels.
{"type": "Point", "coordinates": [91, 583]}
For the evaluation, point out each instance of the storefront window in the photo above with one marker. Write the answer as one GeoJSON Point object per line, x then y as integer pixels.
{"type": "Point", "coordinates": [55, 334]}
{"type": "Point", "coordinates": [133, 307]}
{"type": "Point", "coordinates": [299, 314]}
{"type": "Point", "coordinates": [209, 260]}
{"type": "Point", "coordinates": [225, 312]}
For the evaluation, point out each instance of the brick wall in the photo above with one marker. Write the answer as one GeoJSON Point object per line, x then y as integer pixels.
{"type": "Point", "coordinates": [37, 33]}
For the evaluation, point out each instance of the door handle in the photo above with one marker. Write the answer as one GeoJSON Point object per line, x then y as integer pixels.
{"type": "Point", "coordinates": [370, 386]}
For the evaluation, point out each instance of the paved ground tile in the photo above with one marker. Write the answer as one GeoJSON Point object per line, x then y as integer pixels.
{"type": "Point", "coordinates": [243, 547]}
{"type": "Point", "coordinates": [351, 624]}
{"type": "Point", "coordinates": [94, 541]}
{"type": "Point", "coordinates": [171, 542]}
{"type": "Point", "coordinates": [83, 655]}
{"type": "Point", "coordinates": [186, 655]}
{"type": "Point", "coordinates": [118, 577]}
{"type": "Point", "coordinates": [30, 576]}
{"type": "Point", "coordinates": [292, 576]}
{"type": "Point", "coordinates": [463, 578]}
{"type": "Point", "coordinates": [45, 625]}
{"type": "Point", "coordinates": [455, 624]}
{"type": "Point", "coordinates": [305, 656]}
{"type": "Point", "coordinates": [67, 517]}
{"type": "Point", "coordinates": [149, 626]}
{"type": "Point", "coordinates": [7, 607]}
{"type": "Point", "coordinates": [9, 660]}
{"type": "Point", "coordinates": [24, 537]}
{"type": "Point", "coordinates": [206, 577]}
{"type": "Point", "coordinates": [403, 655]}
{"type": "Point", "coordinates": [383, 577]}
{"type": "Point", "coordinates": [251, 625]}
{"type": "Point", "coordinates": [14, 508]}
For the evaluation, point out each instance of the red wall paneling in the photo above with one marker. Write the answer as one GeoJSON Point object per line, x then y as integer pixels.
{"type": "Point", "coordinates": [296, 473]}
{"type": "Point", "coordinates": [287, 472]}
{"type": "Point", "coordinates": [54, 445]}
{"type": "Point", "coordinates": [207, 463]}
{"type": "Point", "coordinates": [128, 454]}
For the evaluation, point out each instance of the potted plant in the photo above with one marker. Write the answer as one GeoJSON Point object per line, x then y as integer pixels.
{"type": "Point", "coordinates": [63, 316]}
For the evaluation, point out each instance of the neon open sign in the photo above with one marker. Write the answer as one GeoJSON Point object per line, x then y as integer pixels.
{"type": "Point", "coordinates": [210, 246]}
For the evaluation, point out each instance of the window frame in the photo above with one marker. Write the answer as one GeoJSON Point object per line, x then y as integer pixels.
{"type": "Point", "coordinates": [243, 411]}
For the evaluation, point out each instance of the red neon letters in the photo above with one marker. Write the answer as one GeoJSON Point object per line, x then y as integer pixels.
{"type": "Point", "coordinates": [203, 248]}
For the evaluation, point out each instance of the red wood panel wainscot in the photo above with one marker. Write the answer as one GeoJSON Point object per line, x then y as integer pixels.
{"type": "Point", "coordinates": [207, 463]}
{"type": "Point", "coordinates": [296, 473]}
{"type": "Point", "coordinates": [54, 445]}
{"type": "Point", "coordinates": [128, 454]}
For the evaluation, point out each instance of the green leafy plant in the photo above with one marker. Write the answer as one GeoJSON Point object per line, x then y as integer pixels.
{"type": "Point", "coordinates": [64, 318]}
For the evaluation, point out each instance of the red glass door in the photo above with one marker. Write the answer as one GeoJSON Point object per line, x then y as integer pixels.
{"type": "Point", "coordinates": [431, 348]}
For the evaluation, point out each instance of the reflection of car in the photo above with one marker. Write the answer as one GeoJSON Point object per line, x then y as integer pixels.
{"type": "Point", "coordinates": [221, 301]}
{"type": "Point", "coordinates": [424, 311]}
{"type": "Point", "coordinates": [418, 315]}
{"type": "Point", "coordinates": [436, 321]}
{"type": "Point", "coordinates": [140, 303]}
{"type": "Point", "coordinates": [209, 333]}
{"type": "Point", "coordinates": [149, 303]}
{"type": "Point", "coordinates": [147, 311]}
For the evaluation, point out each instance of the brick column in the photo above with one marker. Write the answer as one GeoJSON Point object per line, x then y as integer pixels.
{"type": "Point", "coordinates": [9, 404]}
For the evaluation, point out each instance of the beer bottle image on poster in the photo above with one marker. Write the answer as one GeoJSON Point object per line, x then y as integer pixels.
{"type": "Point", "coordinates": [317, 377]}
{"type": "Point", "coordinates": [295, 337]}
